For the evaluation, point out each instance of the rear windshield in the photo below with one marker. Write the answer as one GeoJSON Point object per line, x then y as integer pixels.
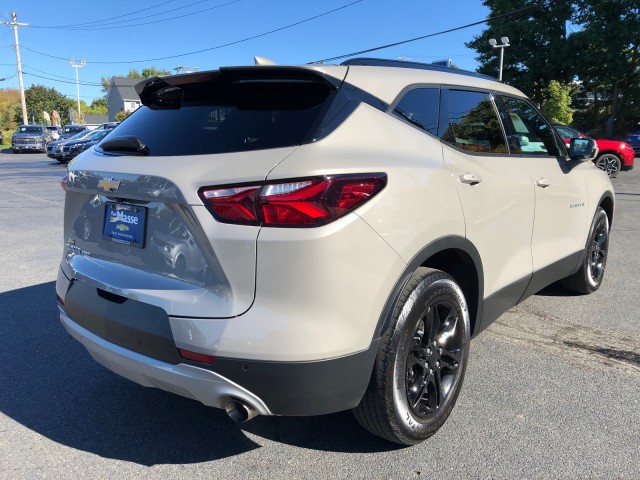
{"type": "Point", "coordinates": [27, 129]}
{"type": "Point", "coordinates": [222, 115]}
{"type": "Point", "coordinates": [74, 129]}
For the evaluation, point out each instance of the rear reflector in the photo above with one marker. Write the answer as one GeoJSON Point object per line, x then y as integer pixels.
{"type": "Point", "coordinates": [197, 357]}
{"type": "Point", "coordinates": [309, 202]}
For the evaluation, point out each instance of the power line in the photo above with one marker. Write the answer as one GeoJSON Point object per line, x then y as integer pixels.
{"type": "Point", "coordinates": [102, 27]}
{"type": "Point", "coordinates": [110, 18]}
{"type": "Point", "coordinates": [59, 76]}
{"type": "Point", "coordinates": [62, 81]}
{"type": "Point", "coordinates": [402, 42]}
{"type": "Point", "coordinates": [210, 48]}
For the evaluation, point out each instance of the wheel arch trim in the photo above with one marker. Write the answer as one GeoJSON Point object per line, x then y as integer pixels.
{"type": "Point", "coordinates": [607, 203]}
{"type": "Point", "coordinates": [421, 258]}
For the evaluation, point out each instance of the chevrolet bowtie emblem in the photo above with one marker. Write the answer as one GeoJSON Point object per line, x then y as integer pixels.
{"type": "Point", "coordinates": [109, 184]}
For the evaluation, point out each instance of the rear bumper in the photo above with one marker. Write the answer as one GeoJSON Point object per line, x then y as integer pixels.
{"type": "Point", "coordinates": [29, 147]}
{"type": "Point", "coordinates": [186, 380]}
{"type": "Point", "coordinates": [271, 388]}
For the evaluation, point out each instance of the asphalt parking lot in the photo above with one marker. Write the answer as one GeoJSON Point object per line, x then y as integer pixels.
{"type": "Point", "coordinates": [551, 391]}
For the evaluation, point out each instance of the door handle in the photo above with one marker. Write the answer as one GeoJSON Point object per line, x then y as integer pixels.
{"type": "Point", "coordinates": [469, 178]}
{"type": "Point", "coordinates": [543, 182]}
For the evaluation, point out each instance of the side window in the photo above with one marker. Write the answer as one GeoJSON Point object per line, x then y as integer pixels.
{"type": "Point", "coordinates": [528, 132]}
{"type": "Point", "coordinates": [419, 107]}
{"type": "Point", "coordinates": [566, 133]}
{"type": "Point", "coordinates": [469, 121]}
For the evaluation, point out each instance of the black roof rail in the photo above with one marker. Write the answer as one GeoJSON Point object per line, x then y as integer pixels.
{"type": "Point", "coordinates": [383, 62]}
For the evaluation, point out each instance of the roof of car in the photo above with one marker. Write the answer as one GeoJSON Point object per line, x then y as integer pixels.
{"type": "Point", "coordinates": [373, 76]}
{"type": "Point", "coordinates": [383, 62]}
{"type": "Point", "coordinates": [369, 74]}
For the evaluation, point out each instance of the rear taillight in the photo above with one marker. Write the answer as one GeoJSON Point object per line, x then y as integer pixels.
{"type": "Point", "coordinates": [63, 181]}
{"type": "Point", "coordinates": [308, 202]}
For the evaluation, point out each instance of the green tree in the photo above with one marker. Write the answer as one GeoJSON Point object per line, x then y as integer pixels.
{"type": "Point", "coordinates": [9, 101]}
{"type": "Point", "coordinates": [97, 107]}
{"type": "Point", "coordinates": [539, 47]}
{"type": "Point", "coordinates": [601, 55]}
{"type": "Point", "coordinates": [43, 99]}
{"type": "Point", "coordinates": [607, 49]}
{"type": "Point", "coordinates": [120, 116]}
{"type": "Point", "coordinates": [557, 103]}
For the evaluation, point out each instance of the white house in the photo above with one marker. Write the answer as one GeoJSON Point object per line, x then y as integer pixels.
{"type": "Point", "coordinates": [122, 96]}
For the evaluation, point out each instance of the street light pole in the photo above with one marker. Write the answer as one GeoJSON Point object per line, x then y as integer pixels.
{"type": "Point", "coordinates": [494, 44]}
{"type": "Point", "coordinates": [77, 66]}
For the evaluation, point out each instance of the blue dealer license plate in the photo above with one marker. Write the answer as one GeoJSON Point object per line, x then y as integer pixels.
{"type": "Point", "coordinates": [125, 224]}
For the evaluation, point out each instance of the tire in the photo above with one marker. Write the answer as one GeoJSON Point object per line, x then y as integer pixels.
{"type": "Point", "coordinates": [591, 273]}
{"type": "Point", "coordinates": [421, 362]}
{"type": "Point", "coordinates": [609, 163]}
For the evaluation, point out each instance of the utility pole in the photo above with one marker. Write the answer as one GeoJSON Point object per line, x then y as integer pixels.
{"type": "Point", "coordinates": [15, 24]}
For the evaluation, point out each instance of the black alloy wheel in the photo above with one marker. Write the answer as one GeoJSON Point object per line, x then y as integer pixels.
{"type": "Point", "coordinates": [598, 252]}
{"type": "Point", "coordinates": [433, 361]}
{"type": "Point", "coordinates": [420, 366]}
{"type": "Point", "coordinates": [589, 276]}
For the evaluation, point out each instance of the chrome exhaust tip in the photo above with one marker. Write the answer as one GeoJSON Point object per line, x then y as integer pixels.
{"type": "Point", "coordinates": [239, 411]}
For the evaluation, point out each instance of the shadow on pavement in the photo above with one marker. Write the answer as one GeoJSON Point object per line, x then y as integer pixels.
{"type": "Point", "coordinates": [556, 290]}
{"type": "Point", "coordinates": [51, 385]}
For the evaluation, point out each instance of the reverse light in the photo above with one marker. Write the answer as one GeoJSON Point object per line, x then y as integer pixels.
{"type": "Point", "coordinates": [309, 202]}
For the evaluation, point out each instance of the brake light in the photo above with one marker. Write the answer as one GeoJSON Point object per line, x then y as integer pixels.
{"type": "Point", "coordinates": [234, 204]}
{"type": "Point", "coordinates": [296, 203]}
{"type": "Point", "coordinates": [63, 181]}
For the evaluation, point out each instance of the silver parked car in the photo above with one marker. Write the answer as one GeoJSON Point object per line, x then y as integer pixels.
{"type": "Point", "coordinates": [30, 138]}
{"type": "Point", "coordinates": [301, 240]}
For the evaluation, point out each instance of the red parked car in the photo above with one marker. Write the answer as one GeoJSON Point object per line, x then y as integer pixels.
{"type": "Point", "coordinates": [613, 155]}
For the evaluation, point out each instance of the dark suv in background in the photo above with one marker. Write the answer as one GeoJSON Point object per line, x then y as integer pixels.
{"type": "Point", "coordinates": [633, 139]}
{"type": "Point", "coordinates": [69, 131]}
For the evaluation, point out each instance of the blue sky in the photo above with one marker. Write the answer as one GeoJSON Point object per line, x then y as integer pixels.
{"type": "Point", "coordinates": [141, 34]}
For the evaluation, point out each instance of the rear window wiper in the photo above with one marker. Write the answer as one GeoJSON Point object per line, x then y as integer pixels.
{"type": "Point", "coordinates": [126, 144]}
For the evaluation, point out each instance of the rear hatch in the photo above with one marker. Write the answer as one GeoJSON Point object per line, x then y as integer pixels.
{"type": "Point", "coordinates": [134, 224]}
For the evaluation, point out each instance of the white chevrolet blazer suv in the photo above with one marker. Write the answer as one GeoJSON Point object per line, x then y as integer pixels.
{"type": "Point", "coordinates": [301, 240]}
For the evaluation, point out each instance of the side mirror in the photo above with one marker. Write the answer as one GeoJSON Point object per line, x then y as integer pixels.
{"type": "Point", "coordinates": [582, 149]}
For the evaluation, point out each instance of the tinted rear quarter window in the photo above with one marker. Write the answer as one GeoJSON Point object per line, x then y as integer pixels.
{"type": "Point", "coordinates": [420, 107]}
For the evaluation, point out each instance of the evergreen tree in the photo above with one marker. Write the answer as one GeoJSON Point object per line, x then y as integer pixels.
{"type": "Point", "coordinates": [539, 48]}
{"type": "Point", "coordinates": [607, 52]}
